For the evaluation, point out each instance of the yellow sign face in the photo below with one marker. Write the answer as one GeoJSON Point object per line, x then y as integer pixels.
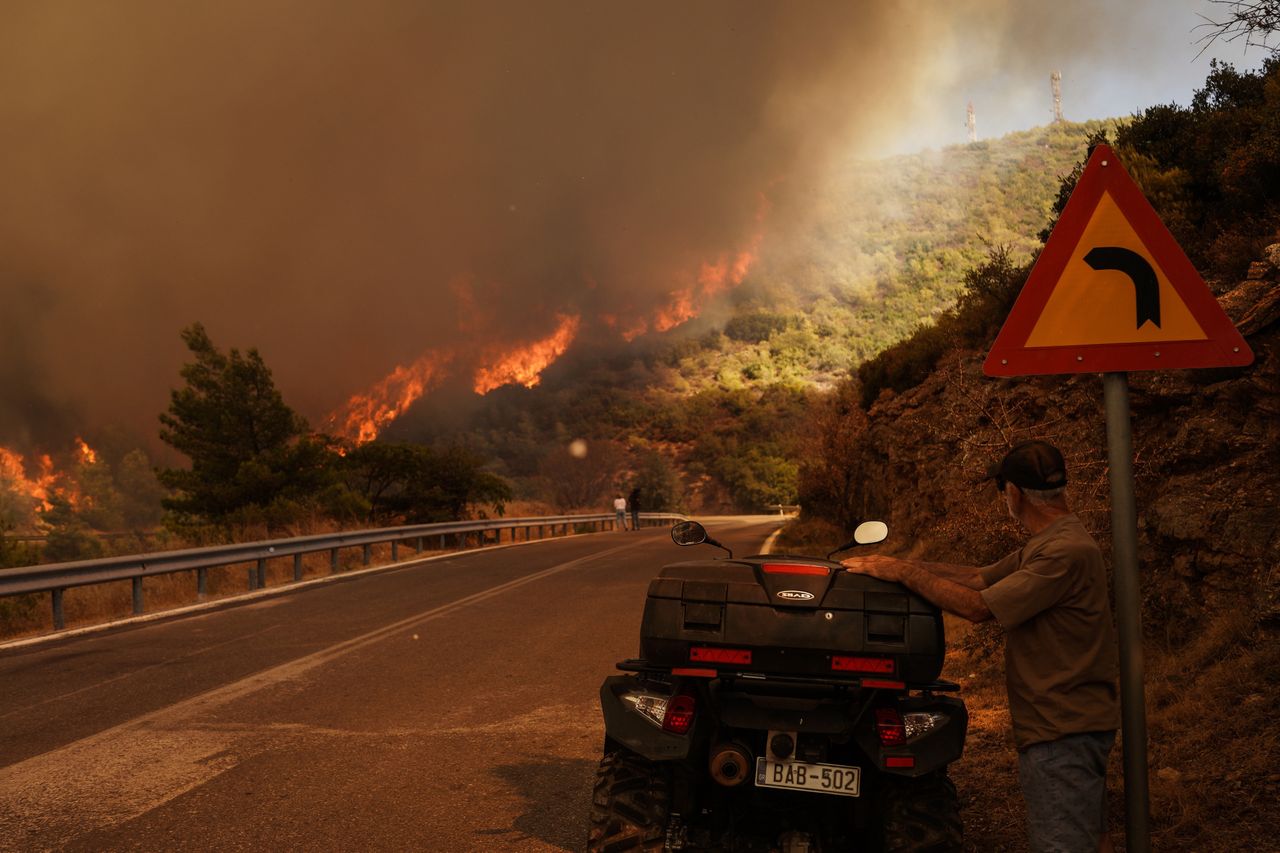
{"type": "Point", "coordinates": [1113, 291]}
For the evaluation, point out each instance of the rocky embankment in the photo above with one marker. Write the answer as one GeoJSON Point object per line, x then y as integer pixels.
{"type": "Point", "coordinates": [1207, 465]}
{"type": "Point", "coordinates": [1207, 470]}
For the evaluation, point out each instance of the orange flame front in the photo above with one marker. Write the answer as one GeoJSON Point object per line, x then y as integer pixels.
{"type": "Point", "coordinates": [365, 415]}
{"type": "Point", "coordinates": [88, 456]}
{"type": "Point", "coordinates": [524, 365]}
{"type": "Point", "coordinates": [13, 471]}
{"type": "Point", "coordinates": [684, 303]}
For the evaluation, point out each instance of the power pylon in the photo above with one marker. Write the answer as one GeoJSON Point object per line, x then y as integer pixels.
{"type": "Point", "coordinates": [1055, 80]}
{"type": "Point", "coordinates": [972, 124]}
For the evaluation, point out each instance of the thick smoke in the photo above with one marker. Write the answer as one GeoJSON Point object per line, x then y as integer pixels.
{"type": "Point", "coordinates": [346, 186]}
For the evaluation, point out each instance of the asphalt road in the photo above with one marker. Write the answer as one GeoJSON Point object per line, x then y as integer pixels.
{"type": "Point", "coordinates": [445, 706]}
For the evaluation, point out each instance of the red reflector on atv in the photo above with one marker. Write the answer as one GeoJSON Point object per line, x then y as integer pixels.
{"type": "Point", "coordinates": [707, 654]}
{"type": "Point", "coordinates": [890, 728]}
{"type": "Point", "coordinates": [794, 569]}
{"type": "Point", "coordinates": [679, 716]}
{"type": "Point", "coordinates": [873, 666]}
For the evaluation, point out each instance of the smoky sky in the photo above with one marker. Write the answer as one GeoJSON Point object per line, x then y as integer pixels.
{"type": "Point", "coordinates": [346, 186]}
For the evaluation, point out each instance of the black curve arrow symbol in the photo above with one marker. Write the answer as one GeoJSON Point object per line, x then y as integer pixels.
{"type": "Point", "coordinates": [1146, 286]}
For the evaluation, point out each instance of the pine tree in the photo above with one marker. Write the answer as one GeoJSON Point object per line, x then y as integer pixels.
{"type": "Point", "coordinates": [250, 455]}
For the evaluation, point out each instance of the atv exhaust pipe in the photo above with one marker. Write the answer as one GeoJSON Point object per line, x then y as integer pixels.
{"type": "Point", "coordinates": [730, 764]}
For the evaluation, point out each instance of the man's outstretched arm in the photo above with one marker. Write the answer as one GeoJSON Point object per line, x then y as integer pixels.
{"type": "Point", "coordinates": [953, 596]}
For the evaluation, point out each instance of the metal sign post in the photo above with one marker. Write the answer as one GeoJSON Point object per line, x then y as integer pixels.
{"type": "Point", "coordinates": [1124, 554]}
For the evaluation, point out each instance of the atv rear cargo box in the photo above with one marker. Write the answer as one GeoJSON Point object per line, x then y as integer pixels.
{"type": "Point", "coordinates": [789, 616]}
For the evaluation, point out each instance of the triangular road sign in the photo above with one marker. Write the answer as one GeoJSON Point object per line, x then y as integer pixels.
{"type": "Point", "coordinates": [1113, 291]}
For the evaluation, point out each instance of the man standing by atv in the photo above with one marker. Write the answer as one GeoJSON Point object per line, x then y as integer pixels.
{"type": "Point", "coordinates": [1061, 664]}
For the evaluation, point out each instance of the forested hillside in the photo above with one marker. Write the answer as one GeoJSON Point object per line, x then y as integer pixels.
{"type": "Point", "coordinates": [713, 409]}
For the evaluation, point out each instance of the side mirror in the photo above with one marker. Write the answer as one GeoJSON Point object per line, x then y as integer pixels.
{"type": "Point", "coordinates": [693, 533]}
{"type": "Point", "coordinates": [871, 532]}
{"type": "Point", "coordinates": [688, 533]}
{"type": "Point", "coordinates": [866, 533]}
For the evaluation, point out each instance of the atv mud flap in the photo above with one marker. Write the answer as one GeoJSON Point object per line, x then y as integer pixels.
{"type": "Point", "coordinates": [622, 723]}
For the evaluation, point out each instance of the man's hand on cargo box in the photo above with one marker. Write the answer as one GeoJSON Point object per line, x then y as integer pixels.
{"type": "Point", "coordinates": [877, 566]}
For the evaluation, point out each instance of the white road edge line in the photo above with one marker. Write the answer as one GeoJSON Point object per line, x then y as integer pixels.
{"type": "Point", "coordinates": [767, 547]}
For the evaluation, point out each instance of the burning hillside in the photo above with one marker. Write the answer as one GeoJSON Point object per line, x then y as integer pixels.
{"type": "Point", "coordinates": [365, 415]}
{"type": "Point", "coordinates": [524, 365]}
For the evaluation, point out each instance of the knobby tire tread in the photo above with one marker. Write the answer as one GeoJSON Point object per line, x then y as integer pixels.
{"type": "Point", "coordinates": [630, 805]}
{"type": "Point", "coordinates": [922, 815]}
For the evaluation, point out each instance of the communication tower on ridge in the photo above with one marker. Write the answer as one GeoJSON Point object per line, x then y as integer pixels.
{"type": "Point", "coordinates": [972, 124]}
{"type": "Point", "coordinates": [1055, 80]}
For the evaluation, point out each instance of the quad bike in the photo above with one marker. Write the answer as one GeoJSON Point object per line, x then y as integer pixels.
{"type": "Point", "coordinates": [779, 703]}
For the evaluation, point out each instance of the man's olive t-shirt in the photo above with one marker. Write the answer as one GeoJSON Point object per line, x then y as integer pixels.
{"type": "Point", "coordinates": [1060, 646]}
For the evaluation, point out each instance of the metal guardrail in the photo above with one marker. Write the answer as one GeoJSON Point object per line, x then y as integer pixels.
{"type": "Point", "coordinates": [57, 577]}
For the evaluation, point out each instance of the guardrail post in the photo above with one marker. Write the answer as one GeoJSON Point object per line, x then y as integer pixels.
{"type": "Point", "coordinates": [368, 554]}
{"type": "Point", "coordinates": [421, 547]}
{"type": "Point", "coordinates": [526, 533]}
{"type": "Point", "coordinates": [202, 582]}
{"type": "Point", "coordinates": [297, 567]}
{"type": "Point", "coordinates": [395, 550]}
{"type": "Point", "coordinates": [333, 560]}
{"type": "Point", "coordinates": [137, 596]}
{"type": "Point", "coordinates": [253, 580]}
{"type": "Point", "coordinates": [262, 574]}
{"type": "Point", "coordinates": [59, 620]}
{"type": "Point", "coordinates": [443, 545]}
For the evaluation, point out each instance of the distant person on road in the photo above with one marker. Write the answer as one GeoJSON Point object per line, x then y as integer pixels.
{"type": "Point", "coordinates": [1061, 663]}
{"type": "Point", "coordinates": [633, 500]}
{"type": "Point", "coordinates": [620, 512]}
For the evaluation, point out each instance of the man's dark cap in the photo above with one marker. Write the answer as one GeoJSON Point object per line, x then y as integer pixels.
{"type": "Point", "coordinates": [1032, 464]}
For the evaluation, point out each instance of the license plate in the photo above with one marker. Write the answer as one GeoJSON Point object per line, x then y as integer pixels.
{"type": "Point", "coordinates": [799, 776]}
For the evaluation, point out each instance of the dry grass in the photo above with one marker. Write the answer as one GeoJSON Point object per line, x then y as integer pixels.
{"type": "Point", "coordinates": [1214, 745]}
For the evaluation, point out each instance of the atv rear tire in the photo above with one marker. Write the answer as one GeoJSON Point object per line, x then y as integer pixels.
{"type": "Point", "coordinates": [921, 815]}
{"type": "Point", "coordinates": [631, 804]}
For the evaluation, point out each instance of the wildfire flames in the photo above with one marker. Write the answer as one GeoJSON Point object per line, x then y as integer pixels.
{"type": "Point", "coordinates": [47, 481]}
{"type": "Point", "coordinates": [88, 456]}
{"type": "Point", "coordinates": [365, 415]}
{"type": "Point", "coordinates": [525, 365]}
{"type": "Point", "coordinates": [13, 471]}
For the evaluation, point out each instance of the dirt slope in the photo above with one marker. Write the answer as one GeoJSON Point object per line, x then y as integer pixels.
{"type": "Point", "coordinates": [1207, 468]}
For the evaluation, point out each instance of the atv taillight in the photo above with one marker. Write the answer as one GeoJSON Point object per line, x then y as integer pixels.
{"type": "Point", "coordinates": [889, 727]}
{"type": "Point", "coordinates": [710, 654]}
{"type": "Point", "coordinates": [872, 666]}
{"type": "Point", "coordinates": [794, 569]}
{"type": "Point", "coordinates": [679, 716]}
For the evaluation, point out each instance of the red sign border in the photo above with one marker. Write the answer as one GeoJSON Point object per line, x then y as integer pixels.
{"type": "Point", "coordinates": [1009, 356]}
